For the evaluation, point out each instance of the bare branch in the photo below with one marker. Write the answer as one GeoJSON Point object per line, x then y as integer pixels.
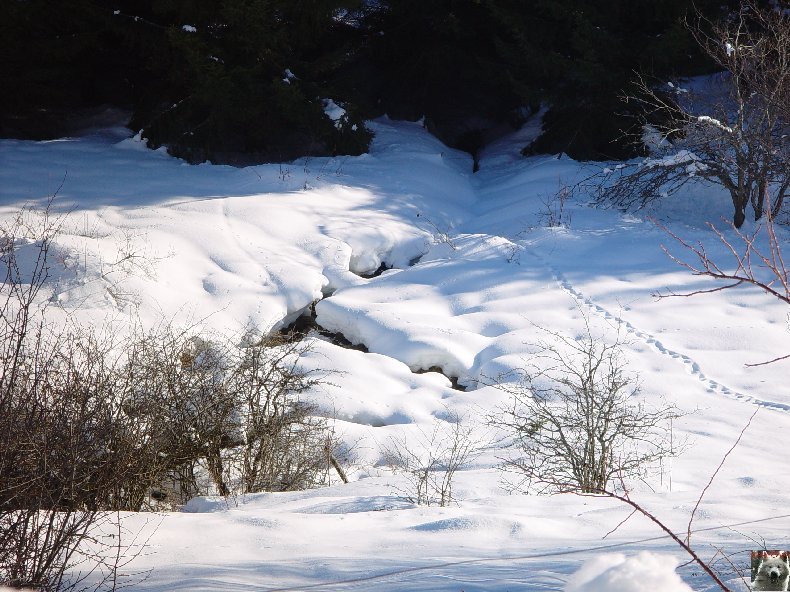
{"type": "Point", "coordinates": [779, 359]}
{"type": "Point", "coordinates": [716, 472]}
{"type": "Point", "coordinates": [685, 546]}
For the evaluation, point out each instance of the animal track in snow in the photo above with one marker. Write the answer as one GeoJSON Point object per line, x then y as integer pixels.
{"type": "Point", "coordinates": [691, 365]}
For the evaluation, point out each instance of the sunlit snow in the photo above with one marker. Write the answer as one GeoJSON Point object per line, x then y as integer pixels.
{"type": "Point", "coordinates": [474, 276]}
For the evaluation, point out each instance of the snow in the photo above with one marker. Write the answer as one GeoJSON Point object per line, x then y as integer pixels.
{"type": "Point", "coordinates": [475, 280]}
{"type": "Point", "coordinates": [644, 572]}
{"type": "Point", "coordinates": [334, 111]}
{"type": "Point", "coordinates": [653, 139]}
{"type": "Point", "coordinates": [457, 308]}
{"type": "Point", "coordinates": [715, 122]}
{"type": "Point", "coordinates": [674, 159]}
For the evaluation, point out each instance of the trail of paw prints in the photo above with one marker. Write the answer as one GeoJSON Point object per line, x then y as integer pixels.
{"type": "Point", "coordinates": [691, 365]}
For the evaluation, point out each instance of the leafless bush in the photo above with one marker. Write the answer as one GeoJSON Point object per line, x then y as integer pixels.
{"type": "Point", "coordinates": [91, 424]}
{"type": "Point", "coordinates": [607, 440]}
{"type": "Point", "coordinates": [740, 143]}
{"type": "Point", "coordinates": [230, 407]}
{"type": "Point", "coordinates": [431, 461]}
{"type": "Point", "coordinates": [574, 418]}
{"type": "Point", "coordinates": [286, 444]}
{"type": "Point", "coordinates": [555, 213]}
{"type": "Point", "coordinates": [57, 428]}
{"type": "Point", "coordinates": [70, 550]}
{"type": "Point", "coordinates": [576, 430]}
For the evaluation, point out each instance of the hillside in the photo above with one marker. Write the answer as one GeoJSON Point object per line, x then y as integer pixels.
{"type": "Point", "coordinates": [477, 270]}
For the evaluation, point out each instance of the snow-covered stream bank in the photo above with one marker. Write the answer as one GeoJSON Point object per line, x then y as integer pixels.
{"type": "Point", "coordinates": [226, 247]}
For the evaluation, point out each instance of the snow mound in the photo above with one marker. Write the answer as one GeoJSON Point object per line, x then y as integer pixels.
{"type": "Point", "coordinates": [440, 313]}
{"type": "Point", "coordinates": [482, 526]}
{"type": "Point", "coordinates": [644, 572]}
{"type": "Point", "coordinates": [372, 389]}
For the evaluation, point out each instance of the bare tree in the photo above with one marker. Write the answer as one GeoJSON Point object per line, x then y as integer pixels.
{"type": "Point", "coordinates": [739, 142]}
{"type": "Point", "coordinates": [575, 421]}
{"type": "Point", "coordinates": [431, 461]}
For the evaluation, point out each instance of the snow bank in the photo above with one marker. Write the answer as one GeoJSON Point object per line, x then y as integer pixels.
{"type": "Point", "coordinates": [645, 572]}
{"type": "Point", "coordinates": [228, 247]}
{"type": "Point", "coordinates": [373, 389]}
{"type": "Point", "coordinates": [442, 312]}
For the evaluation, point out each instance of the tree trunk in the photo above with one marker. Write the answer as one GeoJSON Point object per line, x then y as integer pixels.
{"type": "Point", "coordinates": [214, 466]}
{"type": "Point", "coordinates": [341, 473]}
{"type": "Point", "coordinates": [740, 215]}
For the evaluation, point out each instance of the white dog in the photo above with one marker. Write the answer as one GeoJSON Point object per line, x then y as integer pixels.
{"type": "Point", "coordinates": [773, 573]}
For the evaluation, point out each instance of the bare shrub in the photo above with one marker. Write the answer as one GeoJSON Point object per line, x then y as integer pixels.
{"type": "Point", "coordinates": [575, 421]}
{"type": "Point", "coordinates": [431, 461]}
{"type": "Point", "coordinates": [555, 212]}
{"type": "Point", "coordinates": [229, 407]}
{"type": "Point", "coordinates": [740, 142]}
{"type": "Point", "coordinates": [175, 393]}
{"type": "Point", "coordinates": [286, 445]}
{"type": "Point", "coordinates": [91, 424]}
{"type": "Point", "coordinates": [57, 429]}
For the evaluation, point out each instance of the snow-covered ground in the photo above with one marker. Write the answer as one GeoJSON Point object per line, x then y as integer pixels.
{"type": "Point", "coordinates": [477, 278]}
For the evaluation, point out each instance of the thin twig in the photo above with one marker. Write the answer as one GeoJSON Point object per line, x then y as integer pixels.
{"type": "Point", "coordinates": [716, 472]}
{"type": "Point", "coordinates": [779, 359]}
{"type": "Point", "coordinates": [623, 521]}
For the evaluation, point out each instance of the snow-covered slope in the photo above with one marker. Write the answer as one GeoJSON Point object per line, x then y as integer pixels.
{"type": "Point", "coordinates": [477, 279]}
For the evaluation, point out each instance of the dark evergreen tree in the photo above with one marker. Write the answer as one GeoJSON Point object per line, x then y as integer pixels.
{"type": "Point", "coordinates": [442, 60]}
{"type": "Point", "coordinates": [245, 79]}
{"type": "Point", "coordinates": [469, 65]}
{"type": "Point", "coordinates": [588, 53]}
{"type": "Point", "coordinates": [57, 59]}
